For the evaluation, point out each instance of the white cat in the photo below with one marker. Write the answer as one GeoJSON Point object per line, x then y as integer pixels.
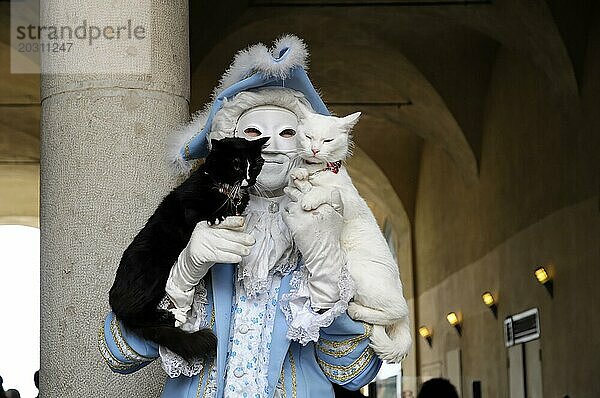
{"type": "Point", "coordinates": [324, 143]}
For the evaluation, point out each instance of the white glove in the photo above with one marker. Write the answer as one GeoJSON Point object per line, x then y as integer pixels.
{"type": "Point", "coordinates": [222, 243]}
{"type": "Point", "coordinates": [317, 234]}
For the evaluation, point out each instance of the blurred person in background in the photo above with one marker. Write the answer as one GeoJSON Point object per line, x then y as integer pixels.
{"type": "Point", "coordinates": [437, 388]}
{"type": "Point", "coordinates": [12, 393]}
{"type": "Point", "coordinates": [2, 393]}
{"type": "Point", "coordinates": [36, 381]}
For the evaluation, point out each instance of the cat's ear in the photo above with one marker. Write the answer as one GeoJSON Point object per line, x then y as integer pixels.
{"type": "Point", "coordinates": [260, 142]}
{"type": "Point", "coordinates": [214, 144]}
{"type": "Point", "coordinates": [348, 122]}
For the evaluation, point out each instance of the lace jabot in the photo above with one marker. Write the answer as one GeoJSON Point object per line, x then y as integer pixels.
{"type": "Point", "coordinates": [274, 250]}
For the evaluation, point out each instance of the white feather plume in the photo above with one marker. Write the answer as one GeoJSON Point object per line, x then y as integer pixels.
{"type": "Point", "coordinates": [259, 59]}
{"type": "Point", "coordinates": [181, 136]}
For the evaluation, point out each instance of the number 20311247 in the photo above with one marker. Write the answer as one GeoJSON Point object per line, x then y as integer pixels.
{"type": "Point", "coordinates": [54, 47]}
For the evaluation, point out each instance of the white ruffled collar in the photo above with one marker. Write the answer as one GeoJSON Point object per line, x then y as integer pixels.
{"type": "Point", "coordinates": [274, 250]}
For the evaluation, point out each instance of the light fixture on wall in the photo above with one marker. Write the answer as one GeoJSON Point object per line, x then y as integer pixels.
{"type": "Point", "coordinates": [544, 277]}
{"type": "Point", "coordinates": [490, 301]}
{"type": "Point", "coordinates": [426, 333]}
{"type": "Point", "coordinates": [454, 320]}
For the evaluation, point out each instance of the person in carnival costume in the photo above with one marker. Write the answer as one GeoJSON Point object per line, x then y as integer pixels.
{"type": "Point", "coordinates": [272, 284]}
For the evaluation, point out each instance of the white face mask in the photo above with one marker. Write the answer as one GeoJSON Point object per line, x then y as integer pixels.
{"type": "Point", "coordinates": [279, 124]}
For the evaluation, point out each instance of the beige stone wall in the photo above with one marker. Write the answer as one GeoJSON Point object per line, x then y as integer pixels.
{"type": "Point", "coordinates": [20, 192]}
{"type": "Point", "coordinates": [536, 203]}
{"type": "Point", "coordinates": [19, 137]}
{"type": "Point", "coordinates": [566, 239]}
{"type": "Point", "coordinates": [533, 163]}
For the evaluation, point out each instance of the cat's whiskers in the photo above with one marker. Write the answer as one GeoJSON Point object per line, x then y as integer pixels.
{"type": "Point", "coordinates": [236, 191]}
{"type": "Point", "coordinates": [296, 159]}
{"type": "Point", "coordinates": [225, 202]}
{"type": "Point", "coordinates": [257, 189]}
{"type": "Point", "coordinates": [262, 190]}
{"type": "Point", "coordinates": [233, 195]}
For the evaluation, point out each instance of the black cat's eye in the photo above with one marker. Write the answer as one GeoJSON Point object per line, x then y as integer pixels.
{"type": "Point", "coordinates": [252, 132]}
{"type": "Point", "coordinates": [328, 140]}
{"type": "Point", "coordinates": [287, 133]}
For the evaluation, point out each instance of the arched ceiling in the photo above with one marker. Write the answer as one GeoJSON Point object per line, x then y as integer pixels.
{"type": "Point", "coordinates": [379, 58]}
{"type": "Point", "coordinates": [437, 57]}
{"type": "Point", "coordinates": [360, 65]}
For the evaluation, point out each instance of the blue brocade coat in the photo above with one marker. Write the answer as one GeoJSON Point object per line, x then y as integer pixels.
{"type": "Point", "coordinates": [341, 355]}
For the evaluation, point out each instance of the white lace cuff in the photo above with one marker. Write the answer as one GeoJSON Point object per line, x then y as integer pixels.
{"type": "Point", "coordinates": [303, 322]}
{"type": "Point", "coordinates": [173, 364]}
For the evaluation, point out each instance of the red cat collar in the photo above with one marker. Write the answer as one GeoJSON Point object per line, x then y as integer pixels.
{"type": "Point", "coordinates": [334, 167]}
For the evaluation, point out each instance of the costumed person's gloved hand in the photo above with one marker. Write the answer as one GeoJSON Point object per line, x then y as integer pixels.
{"type": "Point", "coordinates": [317, 234]}
{"type": "Point", "coordinates": [209, 244]}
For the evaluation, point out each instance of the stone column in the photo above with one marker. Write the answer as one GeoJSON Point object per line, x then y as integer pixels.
{"type": "Point", "coordinates": [103, 172]}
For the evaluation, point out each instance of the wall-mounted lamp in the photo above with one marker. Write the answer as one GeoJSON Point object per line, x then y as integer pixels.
{"type": "Point", "coordinates": [454, 320]}
{"type": "Point", "coordinates": [490, 301]}
{"type": "Point", "coordinates": [543, 276]}
{"type": "Point", "coordinates": [426, 333]}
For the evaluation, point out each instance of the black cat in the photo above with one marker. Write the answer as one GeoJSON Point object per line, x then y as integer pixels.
{"type": "Point", "coordinates": [218, 188]}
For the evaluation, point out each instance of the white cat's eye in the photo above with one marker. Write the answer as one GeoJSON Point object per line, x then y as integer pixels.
{"type": "Point", "coordinates": [252, 132]}
{"type": "Point", "coordinates": [308, 136]}
{"type": "Point", "coordinates": [287, 133]}
{"type": "Point", "coordinates": [328, 140]}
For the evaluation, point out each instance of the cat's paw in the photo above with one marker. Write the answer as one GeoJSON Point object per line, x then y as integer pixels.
{"type": "Point", "coordinates": [167, 317]}
{"type": "Point", "coordinates": [299, 173]}
{"type": "Point", "coordinates": [369, 315]}
{"type": "Point", "coordinates": [358, 312]}
{"type": "Point", "coordinates": [309, 203]}
{"type": "Point", "coordinates": [354, 310]}
{"type": "Point", "coordinates": [313, 199]}
{"type": "Point", "coordinates": [216, 221]}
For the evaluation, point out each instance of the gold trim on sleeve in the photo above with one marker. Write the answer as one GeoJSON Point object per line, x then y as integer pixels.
{"type": "Point", "coordinates": [342, 373]}
{"type": "Point", "coordinates": [125, 349]}
{"type": "Point", "coordinates": [293, 366]}
{"type": "Point", "coordinates": [341, 348]}
{"type": "Point", "coordinates": [204, 368]}
{"type": "Point", "coordinates": [109, 358]}
{"type": "Point", "coordinates": [281, 384]}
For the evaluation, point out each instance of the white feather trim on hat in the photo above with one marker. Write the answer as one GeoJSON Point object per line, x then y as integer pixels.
{"type": "Point", "coordinates": [183, 135]}
{"type": "Point", "coordinates": [258, 59]}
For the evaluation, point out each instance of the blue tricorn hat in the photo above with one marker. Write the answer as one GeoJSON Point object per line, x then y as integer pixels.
{"type": "Point", "coordinates": [284, 65]}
